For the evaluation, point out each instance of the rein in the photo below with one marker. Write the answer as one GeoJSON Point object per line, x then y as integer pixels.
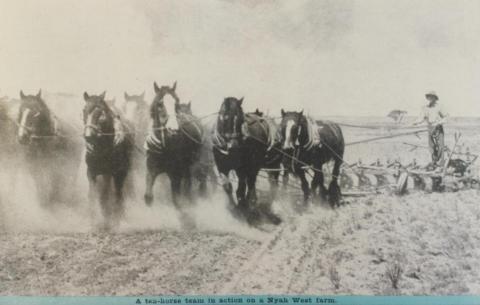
{"type": "Point", "coordinates": [31, 130]}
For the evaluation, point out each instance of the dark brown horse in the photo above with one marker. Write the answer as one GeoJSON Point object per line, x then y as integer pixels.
{"type": "Point", "coordinates": [203, 165]}
{"type": "Point", "coordinates": [172, 144]}
{"type": "Point", "coordinates": [313, 143]}
{"type": "Point", "coordinates": [108, 154]}
{"type": "Point", "coordinates": [240, 143]}
{"type": "Point", "coordinates": [47, 140]}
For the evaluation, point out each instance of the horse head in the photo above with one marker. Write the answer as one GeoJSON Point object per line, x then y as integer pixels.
{"type": "Point", "coordinates": [258, 112]}
{"type": "Point", "coordinates": [134, 107]}
{"type": "Point", "coordinates": [230, 121]}
{"type": "Point", "coordinates": [34, 119]}
{"type": "Point", "coordinates": [98, 118]}
{"type": "Point", "coordinates": [162, 109]}
{"type": "Point", "coordinates": [294, 129]}
{"type": "Point", "coordinates": [184, 108]}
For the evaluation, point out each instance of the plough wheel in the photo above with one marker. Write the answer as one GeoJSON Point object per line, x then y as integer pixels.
{"type": "Point", "coordinates": [391, 179]}
{"type": "Point", "coordinates": [368, 180]}
{"type": "Point", "coordinates": [349, 181]}
{"type": "Point", "coordinates": [382, 180]}
{"type": "Point", "coordinates": [419, 183]}
{"type": "Point", "coordinates": [432, 184]}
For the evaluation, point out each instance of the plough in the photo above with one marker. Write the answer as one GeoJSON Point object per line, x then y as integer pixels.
{"type": "Point", "coordinates": [394, 177]}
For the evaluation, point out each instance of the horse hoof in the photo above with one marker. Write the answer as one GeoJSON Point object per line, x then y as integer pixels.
{"type": "Point", "coordinates": [274, 219]}
{"type": "Point", "coordinates": [253, 217]}
{"type": "Point", "coordinates": [148, 200]}
{"type": "Point", "coordinates": [238, 213]}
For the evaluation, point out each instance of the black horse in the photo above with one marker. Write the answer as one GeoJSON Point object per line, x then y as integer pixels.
{"type": "Point", "coordinates": [108, 154]}
{"type": "Point", "coordinates": [172, 144]}
{"type": "Point", "coordinates": [240, 143]}
{"type": "Point", "coordinates": [312, 144]}
{"type": "Point", "coordinates": [47, 140]}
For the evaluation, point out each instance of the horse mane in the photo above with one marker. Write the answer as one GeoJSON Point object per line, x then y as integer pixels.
{"type": "Point", "coordinates": [303, 119]}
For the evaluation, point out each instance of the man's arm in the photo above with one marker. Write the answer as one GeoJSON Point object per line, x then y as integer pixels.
{"type": "Point", "coordinates": [443, 116]}
{"type": "Point", "coordinates": [420, 119]}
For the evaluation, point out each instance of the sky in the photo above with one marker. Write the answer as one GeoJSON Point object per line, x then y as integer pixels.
{"type": "Point", "coordinates": [328, 57]}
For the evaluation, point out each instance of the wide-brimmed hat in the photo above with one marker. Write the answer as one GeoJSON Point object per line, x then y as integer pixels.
{"type": "Point", "coordinates": [431, 94]}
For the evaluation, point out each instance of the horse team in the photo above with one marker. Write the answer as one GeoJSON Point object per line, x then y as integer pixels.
{"type": "Point", "coordinates": [171, 140]}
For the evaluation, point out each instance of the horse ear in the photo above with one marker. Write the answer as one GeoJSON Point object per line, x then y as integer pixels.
{"type": "Point", "coordinates": [143, 95]}
{"type": "Point", "coordinates": [85, 96]}
{"type": "Point", "coordinates": [102, 96]}
{"type": "Point", "coordinates": [301, 112]}
{"type": "Point", "coordinates": [39, 94]}
{"type": "Point", "coordinates": [22, 95]}
{"type": "Point", "coordinates": [157, 89]}
{"type": "Point", "coordinates": [189, 105]}
{"type": "Point", "coordinates": [174, 87]}
{"type": "Point", "coordinates": [240, 101]}
{"type": "Point", "coordinates": [125, 94]}
{"type": "Point", "coordinates": [283, 112]}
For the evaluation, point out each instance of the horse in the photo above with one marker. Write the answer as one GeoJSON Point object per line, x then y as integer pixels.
{"type": "Point", "coordinates": [108, 154]}
{"type": "Point", "coordinates": [172, 144]}
{"type": "Point", "coordinates": [9, 159]}
{"type": "Point", "coordinates": [203, 165]}
{"type": "Point", "coordinates": [47, 140]}
{"type": "Point", "coordinates": [240, 143]}
{"type": "Point", "coordinates": [135, 110]}
{"type": "Point", "coordinates": [273, 157]}
{"type": "Point", "coordinates": [8, 129]}
{"type": "Point", "coordinates": [312, 144]}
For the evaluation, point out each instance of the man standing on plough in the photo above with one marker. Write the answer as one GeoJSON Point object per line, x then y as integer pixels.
{"type": "Point", "coordinates": [435, 117]}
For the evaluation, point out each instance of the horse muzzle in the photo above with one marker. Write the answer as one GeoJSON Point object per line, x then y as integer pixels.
{"type": "Point", "coordinates": [23, 138]}
{"type": "Point", "coordinates": [233, 144]}
{"type": "Point", "coordinates": [287, 146]}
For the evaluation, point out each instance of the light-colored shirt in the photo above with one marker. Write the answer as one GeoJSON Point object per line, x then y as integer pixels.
{"type": "Point", "coordinates": [433, 116]}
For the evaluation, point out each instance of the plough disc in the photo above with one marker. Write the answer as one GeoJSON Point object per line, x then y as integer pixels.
{"type": "Point", "coordinates": [349, 180]}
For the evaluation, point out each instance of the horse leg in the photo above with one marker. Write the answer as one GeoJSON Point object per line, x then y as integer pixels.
{"type": "Point", "coordinates": [318, 182]}
{"type": "Point", "coordinates": [227, 186]}
{"type": "Point", "coordinates": [149, 182]}
{"type": "Point", "coordinates": [92, 195]}
{"type": "Point", "coordinates": [273, 178]}
{"type": "Point", "coordinates": [175, 184]}
{"type": "Point", "coordinates": [242, 186]}
{"type": "Point", "coordinates": [103, 184]}
{"type": "Point", "coordinates": [42, 179]}
{"type": "Point", "coordinates": [252, 192]}
{"type": "Point", "coordinates": [202, 180]}
{"type": "Point", "coordinates": [119, 182]}
{"type": "Point", "coordinates": [285, 178]}
{"type": "Point", "coordinates": [188, 183]}
{"type": "Point", "coordinates": [305, 187]}
{"type": "Point", "coordinates": [212, 176]}
{"type": "Point", "coordinates": [334, 192]}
